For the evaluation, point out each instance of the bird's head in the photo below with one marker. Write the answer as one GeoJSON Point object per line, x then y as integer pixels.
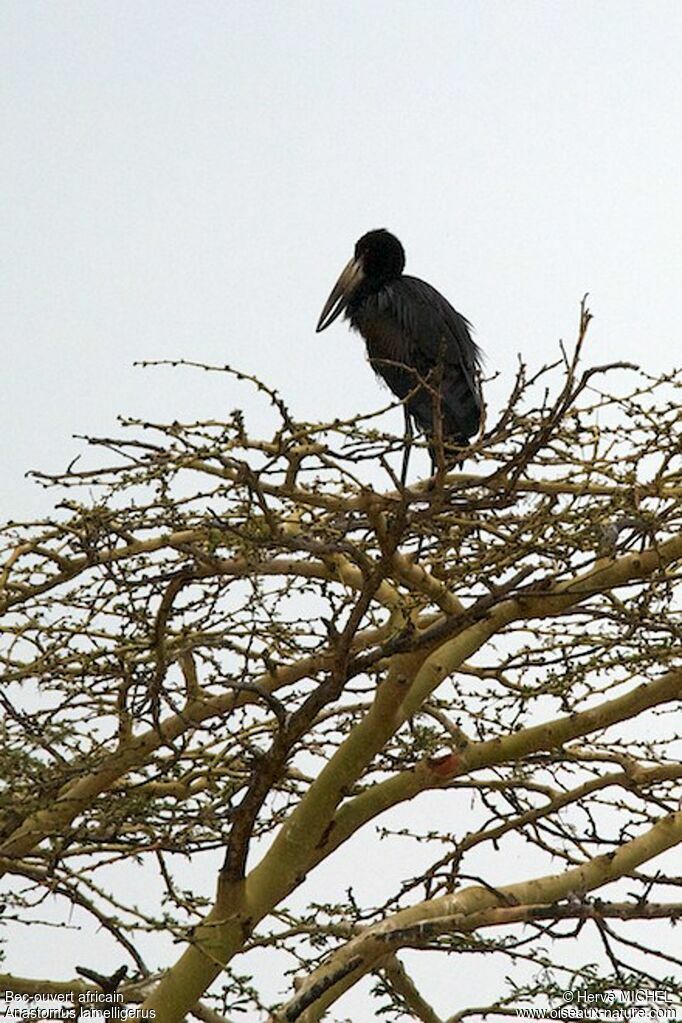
{"type": "Point", "coordinates": [379, 257]}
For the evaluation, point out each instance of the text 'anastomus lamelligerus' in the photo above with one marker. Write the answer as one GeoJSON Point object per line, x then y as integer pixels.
{"type": "Point", "coordinates": [416, 342]}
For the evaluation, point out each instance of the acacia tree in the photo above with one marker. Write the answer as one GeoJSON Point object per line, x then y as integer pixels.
{"type": "Point", "coordinates": [261, 647]}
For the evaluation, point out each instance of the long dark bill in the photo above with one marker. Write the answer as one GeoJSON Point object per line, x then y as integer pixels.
{"type": "Point", "coordinates": [350, 277]}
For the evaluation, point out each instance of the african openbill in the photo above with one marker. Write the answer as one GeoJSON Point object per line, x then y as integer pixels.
{"type": "Point", "coordinates": [415, 340]}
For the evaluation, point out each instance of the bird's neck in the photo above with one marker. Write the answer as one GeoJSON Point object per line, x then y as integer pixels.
{"type": "Point", "coordinates": [366, 289]}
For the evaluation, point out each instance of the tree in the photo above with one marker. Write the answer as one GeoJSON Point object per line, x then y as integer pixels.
{"type": "Point", "coordinates": [255, 649]}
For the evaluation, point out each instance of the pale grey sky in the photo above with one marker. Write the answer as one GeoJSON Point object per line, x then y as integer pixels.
{"type": "Point", "coordinates": [187, 179]}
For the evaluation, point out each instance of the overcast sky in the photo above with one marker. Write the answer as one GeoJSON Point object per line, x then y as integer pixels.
{"type": "Point", "coordinates": [187, 179]}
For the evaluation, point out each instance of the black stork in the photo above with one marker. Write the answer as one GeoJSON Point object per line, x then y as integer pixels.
{"type": "Point", "coordinates": [416, 342]}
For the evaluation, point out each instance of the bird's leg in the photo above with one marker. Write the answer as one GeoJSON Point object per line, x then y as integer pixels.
{"type": "Point", "coordinates": [433, 457]}
{"type": "Point", "coordinates": [408, 446]}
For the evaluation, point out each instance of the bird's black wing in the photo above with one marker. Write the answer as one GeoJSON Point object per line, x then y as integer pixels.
{"type": "Point", "coordinates": [439, 336]}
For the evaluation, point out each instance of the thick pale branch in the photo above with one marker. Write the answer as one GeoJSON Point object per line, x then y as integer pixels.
{"type": "Point", "coordinates": [426, 776]}
{"type": "Point", "coordinates": [410, 680]}
{"type": "Point", "coordinates": [520, 900]}
{"type": "Point", "coordinates": [134, 752]}
{"type": "Point", "coordinates": [247, 566]}
{"type": "Point", "coordinates": [605, 575]}
{"type": "Point", "coordinates": [401, 982]}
